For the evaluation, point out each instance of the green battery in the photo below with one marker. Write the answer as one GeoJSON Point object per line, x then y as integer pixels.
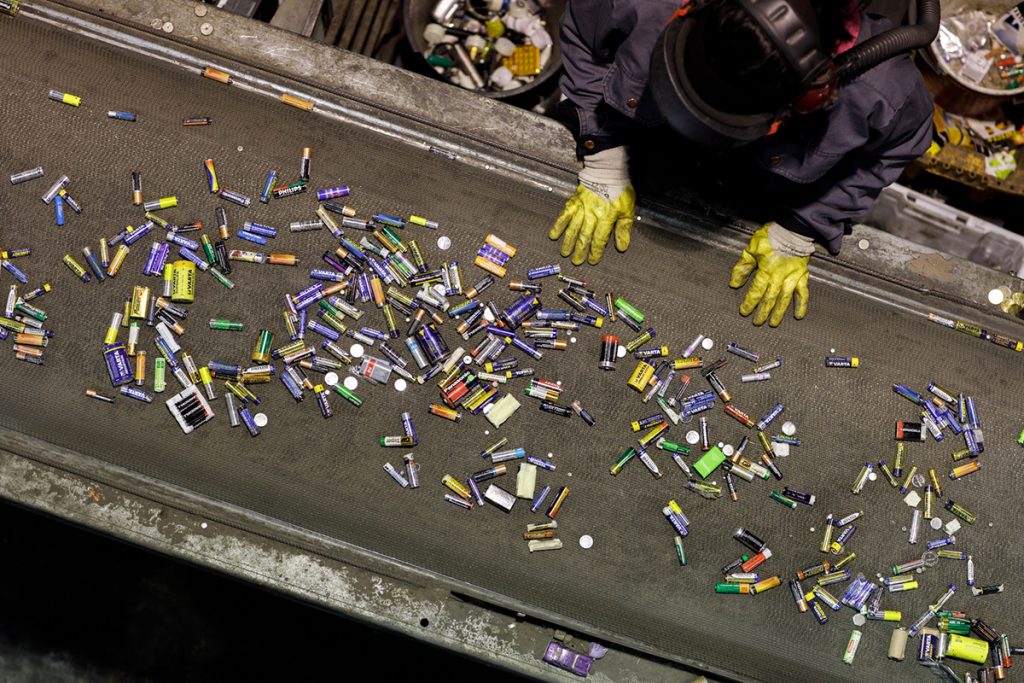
{"type": "Point", "coordinates": [732, 588]}
{"type": "Point", "coordinates": [403, 441]}
{"type": "Point", "coordinates": [779, 498]}
{"type": "Point", "coordinates": [261, 352]}
{"type": "Point", "coordinates": [709, 462]}
{"type": "Point", "coordinates": [630, 310]}
{"type": "Point", "coordinates": [1020, 439]}
{"type": "Point", "coordinates": [211, 257]}
{"type": "Point", "coordinates": [222, 278]}
{"type": "Point", "coordinates": [348, 395]}
{"type": "Point", "coordinates": [621, 461]}
{"type": "Point", "coordinates": [680, 553]}
{"type": "Point", "coordinates": [225, 324]}
{"type": "Point", "coordinates": [672, 447]}
{"type": "Point", "coordinates": [159, 374]}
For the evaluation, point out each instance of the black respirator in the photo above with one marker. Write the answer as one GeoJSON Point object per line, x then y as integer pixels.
{"type": "Point", "coordinates": [678, 67]}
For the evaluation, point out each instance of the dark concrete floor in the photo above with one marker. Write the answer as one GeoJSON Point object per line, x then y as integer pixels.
{"type": "Point", "coordinates": [78, 606]}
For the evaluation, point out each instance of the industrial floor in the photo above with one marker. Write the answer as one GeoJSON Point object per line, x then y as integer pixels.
{"type": "Point", "coordinates": [126, 615]}
{"type": "Point", "coordinates": [325, 475]}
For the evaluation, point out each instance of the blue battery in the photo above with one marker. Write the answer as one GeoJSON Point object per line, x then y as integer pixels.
{"type": "Point", "coordinates": [268, 187]}
{"type": "Point", "coordinates": [259, 229]}
{"type": "Point", "coordinates": [119, 366]}
{"type": "Point", "coordinates": [251, 237]}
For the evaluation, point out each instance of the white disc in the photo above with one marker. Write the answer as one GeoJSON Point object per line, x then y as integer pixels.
{"type": "Point", "coordinates": [859, 620]}
{"type": "Point", "coordinates": [707, 344]}
{"type": "Point", "coordinates": [728, 450]}
{"type": "Point", "coordinates": [872, 476]}
{"type": "Point", "coordinates": [400, 384]}
{"type": "Point", "coordinates": [572, 340]}
{"type": "Point", "coordinates": [781, 449]}
{"type": "Point", "coordinates": [936, 523]}
{"type": "Point", "coordinates": [692, 437]}
{"type": "Point", "coordinates": [356, 351]}
{"type": "Point", "coordinates": [621, 353]}
{"type": "Point", "coordinates": [260, 419]}
{"type": "Point", "coordinates": [863, 244]}
{"type": "Point", "coordinates": [788, 428]}
{"type": "Point", "coordinates": [444, 243]}
{"type": "Point", "coordinates": [586, 541]}
{"type": "Point", "coordinates": [351, 383]}
{"type": "Point", "coordinates": [331, 378]}
{"type": "Point", "coordinates": [996, 296]}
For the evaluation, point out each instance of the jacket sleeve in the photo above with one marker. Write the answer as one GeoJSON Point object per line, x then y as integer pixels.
{"type": "Point", "coordinates": [591, 31]}
{"type": "Point", "coordinates": [866, 151]}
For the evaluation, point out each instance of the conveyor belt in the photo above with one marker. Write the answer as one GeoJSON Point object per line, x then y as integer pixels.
{"type": "Point", "coordinates": [325, 476]}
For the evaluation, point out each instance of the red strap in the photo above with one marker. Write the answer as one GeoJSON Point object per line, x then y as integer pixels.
{"type": "Point", "coordinates": [683, 10]}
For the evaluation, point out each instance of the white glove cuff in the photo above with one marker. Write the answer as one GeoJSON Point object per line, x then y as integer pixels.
{"type": "Point", "coordinates": [606, 173]}
{"type": "Point", "coordinates": [788, 243]}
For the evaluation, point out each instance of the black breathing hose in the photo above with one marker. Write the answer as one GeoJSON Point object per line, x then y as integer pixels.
{"type": "Point", "coordinates": [874, 51]}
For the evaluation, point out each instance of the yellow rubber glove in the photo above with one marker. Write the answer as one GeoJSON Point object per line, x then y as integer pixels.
{"type": "Point", "coordinates": [604, 201]}
{"type": "Point", "coordinates": [780, 257]}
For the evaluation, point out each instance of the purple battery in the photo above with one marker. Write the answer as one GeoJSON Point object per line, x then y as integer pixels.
{"type": "Point", "coordinates": [363, 287]}
{"type": "Point", "coordinates": [526, 348]}
{"type": "Point", "coordinates": [163, 250]}
{"type": "Point", "coordinates": [133, 236]}
{"type": "Point", "coordinates": [119, 367]}
{"type": "Point", "coordinates": [154, 249]}
{"type": "Point", "coordinates": [332, 193]}
{"type": "Point", "coordinates": [305, 297]}
{"type": "Point", "coordinates": [927, 647]}
{"type": "Point", "coordinates": [492, 254]}
{"type": "Point", "coordinates": [259, 229]}
{"type": "Point", "coordinates": [180, 240]}
{"type": "Point", "coordinates": [407, 425]}
{"type": "Point", "coordinates": [323, 330]}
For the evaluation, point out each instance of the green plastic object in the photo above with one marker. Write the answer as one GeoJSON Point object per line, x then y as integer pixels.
{"type": "Point", "coordinates": [709, 462]}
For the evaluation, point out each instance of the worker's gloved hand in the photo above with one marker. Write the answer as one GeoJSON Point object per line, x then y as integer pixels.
{"type": "Point", "coordinates": [780, 257]}
{"type": "Point", "coordinates": [604, 201]}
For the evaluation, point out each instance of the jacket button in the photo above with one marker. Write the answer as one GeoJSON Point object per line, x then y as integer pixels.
{"type": "Point", "coordinates": [632, 102]}
{"type": "Point", "coordinates": [775, 160]}
{"type": "Point", "coordinates": [589, 144]}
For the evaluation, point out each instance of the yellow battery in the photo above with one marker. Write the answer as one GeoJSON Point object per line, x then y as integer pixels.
{"type": "Point", "coordinates": [490, 266]}
{"type": "Point", "coordinates": [525, 61]}
{"type": "Point", "coordinates": [641, 376]}
{"type": "Point", "coordinates": [495, 28]}
{"type": "Point", "coordinates": [456, 486]}
{"type": "Point", "coordinates": [168, 278]}
{"type": "Point", "coordinates": [967, 648]}
{"type": "Point", "coordinates": [140, 302]}
{"type": "Point", "coordinates": [687, 363]}
{"type": "Point", "coordinates": [891, 615]}
{"type": "Point", "coordinates": [766, 584]}
{"type": "Point", "coordinates": [117, 261]}
{"type": "Point", "coordinates": [297, 102]}
{"type": "Point", "coordinates": [183, 287]}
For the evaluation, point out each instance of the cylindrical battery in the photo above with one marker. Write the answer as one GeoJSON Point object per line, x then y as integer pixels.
{"type": "Point", "coordinates": [898, 644]}
{"type": "Point", "coordinates": [183, 285]}
{"type": "Point", "coordinates": [609, 352]}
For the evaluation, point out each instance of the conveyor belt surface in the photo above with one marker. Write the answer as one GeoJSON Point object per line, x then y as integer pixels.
{"type": "Point", "coordinates": [325, 475]}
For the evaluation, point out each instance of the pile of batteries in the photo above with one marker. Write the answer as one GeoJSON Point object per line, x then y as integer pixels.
{"type": "Point", "coordinates": [496, 45]}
